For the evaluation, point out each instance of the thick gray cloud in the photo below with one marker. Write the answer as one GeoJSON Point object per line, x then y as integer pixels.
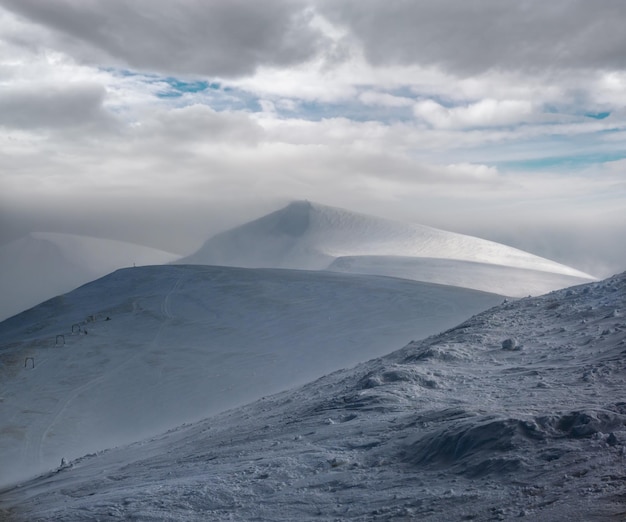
{"type": "Point", "coordinates": [198, 123]}
{"type": "Point", "coordinates": [469, 37]}
{"type": "Point", "coordinates": [167, 160]}
{"type": "Point", "coordinates": [220, 37]}
{"type": "Point", "coordinates": [52, 106]}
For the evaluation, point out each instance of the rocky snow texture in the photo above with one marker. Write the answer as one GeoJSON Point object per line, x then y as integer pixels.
{"type": "Point", "coordinates": [44, 264]}
{"type": "Point", "coordinates": [185, 342]}
{"type": "Point", "coordinates": [309, 236]}
{"type": "Point", "coordinates": [453, 427]}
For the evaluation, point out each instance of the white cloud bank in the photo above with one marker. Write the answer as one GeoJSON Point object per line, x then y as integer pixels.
{"type": "Point", "coordinates": [162, 122]}
{"type": "Point", "coordinates": [484, 113]}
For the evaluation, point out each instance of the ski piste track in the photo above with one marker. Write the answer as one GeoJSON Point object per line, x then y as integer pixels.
{"type": "Point", "coordinates": [35, 439]}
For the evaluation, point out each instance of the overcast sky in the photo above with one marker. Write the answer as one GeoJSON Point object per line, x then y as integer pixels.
{"type": "Point", "coordinates": [164, 121]}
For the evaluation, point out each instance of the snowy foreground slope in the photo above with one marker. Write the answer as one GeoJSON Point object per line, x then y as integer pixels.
{"type": "Point", "coordinates": [185, 342]}
{"type": "Point", "coordinates": [517, 413]}
{"type": "Point", "coordinates": [316, 237]}
{"type": "Point", "coordinates": [44, 264]}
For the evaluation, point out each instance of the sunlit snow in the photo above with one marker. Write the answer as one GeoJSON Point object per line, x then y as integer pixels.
{"type": "Point", "coordinates": [310, 236]}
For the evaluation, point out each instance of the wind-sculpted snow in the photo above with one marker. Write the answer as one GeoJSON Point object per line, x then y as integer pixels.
{"type": "Point", "coordinates": [453, 427]}
{"type": "Point", "coordinates": [309, 236]}
{"type": "Point", "coordinates": [146, 349]}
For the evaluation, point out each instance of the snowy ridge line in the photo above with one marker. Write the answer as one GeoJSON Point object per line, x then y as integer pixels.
{"type": "Point", "coordinates": [310, 236]}
{"type": "Point", "coordinates": [505, 280]}
{"type": "Point", "coordinates": [516, 413]}
{"type": "Point", "coordinates": [45, 264]}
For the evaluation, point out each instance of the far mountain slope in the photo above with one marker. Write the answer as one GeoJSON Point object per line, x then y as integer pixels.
{"type": "Point", "coordinates": [305, 235]}
{"type": "Point", "coordinates": [42, 265]}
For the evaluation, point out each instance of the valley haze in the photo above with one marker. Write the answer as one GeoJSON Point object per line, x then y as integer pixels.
{"type": "Point", "coordinates": [302, 235]}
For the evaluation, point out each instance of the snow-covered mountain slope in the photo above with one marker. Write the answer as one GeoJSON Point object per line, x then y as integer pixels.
{"type": "Point", "coordinates": [504, 280]}
{"type": "Point", "coordinates": [518, 413]}
{"type": "Point", "coordinates": [185, 342]}
{"type": "Point", "coordinates": [45, 264]}
{"type": "Point", "coordinates": [315, 237]}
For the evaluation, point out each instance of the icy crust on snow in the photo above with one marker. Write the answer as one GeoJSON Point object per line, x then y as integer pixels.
{"type": "Point", "coordinates": [145, 349]}
{"type": "Point", "coordinates": [309, 236]}
{"type": "Point", "coordinates": [459, 426]}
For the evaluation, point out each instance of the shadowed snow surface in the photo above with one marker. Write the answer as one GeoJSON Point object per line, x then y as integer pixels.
{"type": "Point", "coordinates": [517, 413]}
{"type": "Point", "coordinates": [310, 236]}
{"type": "Point", "coordinates": [185, 342]}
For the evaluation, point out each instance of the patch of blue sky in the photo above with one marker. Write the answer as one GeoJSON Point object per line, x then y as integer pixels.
{"type": "Point", "coordinates": [184, 91]}
{"type": "Point", "coordinates": [561, 162]}
{"type": "Point", "coordinates": [121, 72]}
{"type": "Point", "coordinates": [553, 109]}
{"type": "Point", "coordinates": [171, 86]}
{"type": "Point", "coordinates": [598, 115]}
{"type": "Point", "coordinates": [616, 128]}
{"type": "Point", "coordinates": [175, 88]}
{"type": "Point", "coordinates": [214, 94]}
{"type": "Point", "coordinates": [218, 100]}
{"type": "Point", "coordinates": [352, 110]}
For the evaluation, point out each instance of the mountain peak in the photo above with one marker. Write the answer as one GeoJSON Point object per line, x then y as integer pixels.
{"type": "Point", "coordinates": [293, 220]}
{"type": "Point", "coordinates": [309, 236]}
{"type": "Point", "coordinates": [299, 205]}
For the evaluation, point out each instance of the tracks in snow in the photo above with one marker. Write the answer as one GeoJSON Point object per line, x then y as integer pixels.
{"type": "Point", "coordinates": [167, 315]}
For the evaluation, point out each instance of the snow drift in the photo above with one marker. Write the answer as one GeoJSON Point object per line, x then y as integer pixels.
{"type": "Point", "coordinates": [460, 426]}
{"type": "Point", "coordinates": [309, 236]}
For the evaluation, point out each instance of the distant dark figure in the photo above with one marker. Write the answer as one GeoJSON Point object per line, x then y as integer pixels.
{"type": "Point", "coordinates": [108, 318]}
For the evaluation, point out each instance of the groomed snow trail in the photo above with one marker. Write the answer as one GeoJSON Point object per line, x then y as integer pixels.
{"type": "Point", "coordinates": [517, 413]}
{"type": "Point", "coordinates": [109, 375]}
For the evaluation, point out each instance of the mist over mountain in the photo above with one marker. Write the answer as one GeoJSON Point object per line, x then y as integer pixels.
{"type": "Point", "coordinates": [42, 265]}
{"type": "Point", "coordinates": [310, 236]}
{"type": "Point", "coordinates": [451, 424]}
{"type": "Point", "coordinates": [302, 235]}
